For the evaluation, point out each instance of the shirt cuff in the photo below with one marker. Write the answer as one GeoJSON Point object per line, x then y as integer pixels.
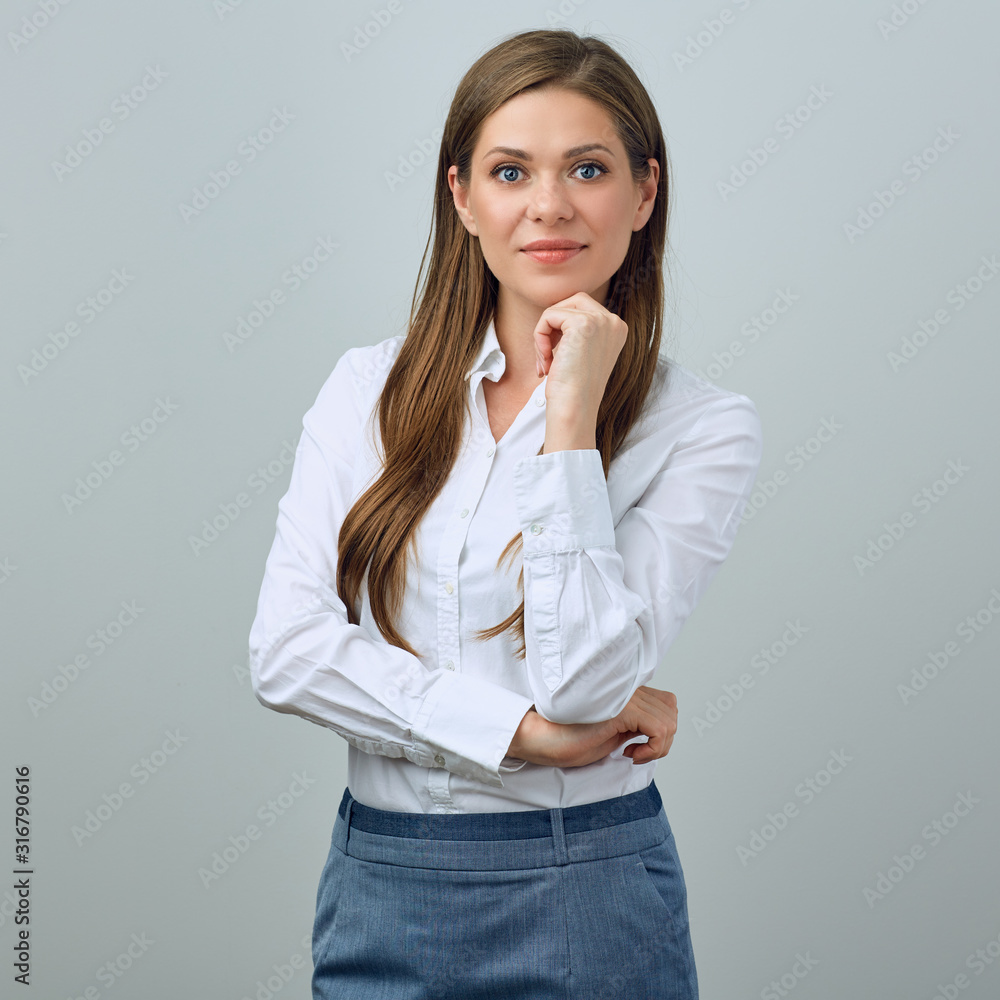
{"type": "Point", "coordinates": [514, 765]}
{"type": "Point", "coordinates": [562, 503]}
{"type": "Point", "coordinates": [467, 723]}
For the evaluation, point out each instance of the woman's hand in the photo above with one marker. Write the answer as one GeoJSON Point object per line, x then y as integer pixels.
{"type": "Point", "coordinates": [650, 712]}
{"type": "Point", "coordinates": [577, 342]}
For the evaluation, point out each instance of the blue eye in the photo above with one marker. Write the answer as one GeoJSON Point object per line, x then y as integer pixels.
{"type": "Point", "coordinates": [504, 166]}
{"type": "Point", "coordinates": [580, 166]}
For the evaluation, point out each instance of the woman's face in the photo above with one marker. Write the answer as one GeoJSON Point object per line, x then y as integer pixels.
{"type": "Point", "coordinates": [532, 190]}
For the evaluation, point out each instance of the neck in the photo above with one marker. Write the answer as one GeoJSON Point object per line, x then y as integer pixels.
{"type": "Point", "coordinates": [515, 333]}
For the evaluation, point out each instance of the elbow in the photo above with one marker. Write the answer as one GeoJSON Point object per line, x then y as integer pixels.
{"type": "Point", "coordinates": [262, 683]}
{"type": "Point", "coordinates": [265, 699]}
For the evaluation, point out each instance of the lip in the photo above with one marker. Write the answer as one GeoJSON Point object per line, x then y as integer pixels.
{"type": "Point", "coordinates": [557, 256]}
{"type": "Point", "coordinates": [553, 245]}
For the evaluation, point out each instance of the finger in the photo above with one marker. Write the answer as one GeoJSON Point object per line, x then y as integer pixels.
{"type": "Point", "coordinates": [543, 354]}
{"type": "Point", "coordinates": [667, 739]}
{"type": "Point", "coordinates": [552, 324]}
{"type": "Point", "coordinates": [659, 744]}
{"type": "Point", "coordinates": [667, 698]}
{"type": "Point", "coordinates": [651, 713]}
{"type": "Point", "coordinates": [651, 707]}
{"type": "Point", "coordinates": [659, 727]}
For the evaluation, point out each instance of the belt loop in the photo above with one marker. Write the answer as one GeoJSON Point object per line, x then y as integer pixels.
{"type": "Point", "coordinates": [347, 822]}
{"type": "Point", "coordinates": [558, 837]}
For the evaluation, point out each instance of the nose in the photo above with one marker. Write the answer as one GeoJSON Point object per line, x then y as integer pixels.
{"type": "Point", "coordinates": [548, 202]}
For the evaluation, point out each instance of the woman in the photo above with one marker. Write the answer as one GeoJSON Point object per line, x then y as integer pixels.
{"type": "Point", "coordinates": [492, 840]}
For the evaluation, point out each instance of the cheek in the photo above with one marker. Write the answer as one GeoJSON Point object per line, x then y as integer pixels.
{"type": "Point", "coordinates": [499, 218]}
{"type": "Point", "coordinates": [611, 216]}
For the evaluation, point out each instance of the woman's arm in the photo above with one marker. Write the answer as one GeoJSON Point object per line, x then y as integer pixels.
{"type": "Point", "coordinates": [603, 602]}
{"type": "Point", "coordinates": [649, 712]}
{"type": "Point", "coordinates": [306, 659]}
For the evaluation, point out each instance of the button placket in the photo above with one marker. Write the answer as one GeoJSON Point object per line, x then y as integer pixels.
{"type": "Point", "coordinates": [437, 785]}
{"type": "Point", "coordinates": [476, 471]}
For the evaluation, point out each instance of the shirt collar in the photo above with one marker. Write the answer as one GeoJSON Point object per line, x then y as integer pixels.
{"type": "Point", "coordinates": [489, 359]}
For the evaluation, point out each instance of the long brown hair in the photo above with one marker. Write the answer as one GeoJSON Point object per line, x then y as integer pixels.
{"type": "Point", "coordinates": [422, 406]}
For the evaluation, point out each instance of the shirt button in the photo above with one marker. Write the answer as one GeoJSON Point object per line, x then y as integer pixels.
{"type": "Point", "coordinates": [489, 451]}
{"type": "Point", "coordinates": [448, 587]}
{"type": "Point", "coordinates": [465, 512]}
{"type": "Point", "coordinates": [439, 760]}
{"type": "Point", "coordinates": [540, 401]}
{"type": "Point", "coordinates": [450, 665]}
{"type": "Point", "coordinates": [536, 529]}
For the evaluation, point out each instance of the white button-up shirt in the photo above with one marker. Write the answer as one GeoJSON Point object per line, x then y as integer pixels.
{"type": "Point", "coordinates": [612, 569]}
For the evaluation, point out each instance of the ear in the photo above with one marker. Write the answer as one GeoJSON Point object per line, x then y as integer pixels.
{"type": "Point", "coordinates": [647, 190]}
{"type": "Point", "coordinates": [461, 196]}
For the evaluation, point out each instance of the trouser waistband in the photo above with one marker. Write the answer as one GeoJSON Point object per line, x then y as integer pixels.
{"type": "Point", "coordinates": [533, 838]}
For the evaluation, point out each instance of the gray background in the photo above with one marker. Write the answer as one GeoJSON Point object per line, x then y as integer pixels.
{"type": "Point", "coordinates": [180, 667]}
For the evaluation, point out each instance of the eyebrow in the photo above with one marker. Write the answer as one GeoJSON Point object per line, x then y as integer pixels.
{"type": "Point", "coordinates": [522, 154]}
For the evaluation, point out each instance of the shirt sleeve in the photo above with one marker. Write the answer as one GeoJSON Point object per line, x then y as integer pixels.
{"type": "Point", "coordinates": [603, 603]}
{"type": "Point", "coordinates": [306, 659]}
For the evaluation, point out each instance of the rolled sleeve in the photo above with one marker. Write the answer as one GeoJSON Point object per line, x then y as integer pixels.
{"type": "Point", "coordinates": [603, 602]}
{"type": "Point", "coordinates": [466, 742]}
